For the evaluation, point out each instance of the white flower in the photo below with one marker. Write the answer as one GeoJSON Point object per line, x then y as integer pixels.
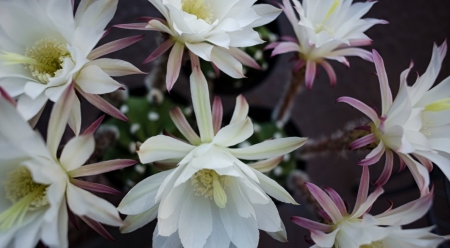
{"type": "Point", "coordinates": [327, 29]}
{"type": "Point", "coordinates": [359, 229]}
{"type": "Point", "coordinates": [38, 188]}
{"type": "Point", "coordinates": [210, 29]}
{"type": "Point", "coordinates": [416, 123]}
{"type": "Point", "coordinates": [211, 199]}
{"type": "Point", "coordinates": [44, 48]}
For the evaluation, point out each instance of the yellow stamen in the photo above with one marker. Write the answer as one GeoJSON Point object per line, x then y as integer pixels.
{"type": "Point", "coordinates": [14, 59]}
{"type": "Point", "coordinates": [376, 244]}
{"type": "Point", "coordinates": [209, 184]}
{"type": "Point", "coordinates": [439, 105]}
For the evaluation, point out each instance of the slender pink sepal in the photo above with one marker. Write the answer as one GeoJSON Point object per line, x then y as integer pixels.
{"type": "Point", "coordinates": [114, 46]}
{"type": "Point", "coordinates": [360, 42]}
{"type": "Point", "coordinates": [244, 58]}
{"type": "Point", "coordinates": [425, 162]}
{"type": "Point", "coordinates": [386, 95]}
{"type": "Point", "coordinates": [362, 107]}
{"type": "Point", "coordinates": [217, 114]}
{"type": "Point", "coordinates": [330, 71]}
{"type": "Point", "coordinates": [325, 202]}
{"type": "Point", "coordinates": [271, 45]}
{"type": "Point", "coordinates": [363, 141]}
{"type": "Point", "coordinates": [101, 167]}
{"type": "Point", "coordinates": [337, 200]}
{"type": "Point", "coordinates": [363, 190]}
{"type": "Point", "coordinates": [97, 227]}
{"type": "Point", "coordinates": [289, 38]}
{"type": "Point", "coordinates": [374, 156]}
{"type": "Point", "coordinates": [164, 47]}
{"type": "Point", "coordinates": [310, 74]}
{"type": "Point", "coordinates": [285, 47]}
{"type": "Point", "coordinates": [148, 19]}
{"type": "Point", "coordinates": [7, 97]}
{"type": "Point", "coordinates": [298, 65]}
{"type": "Point", "coordinates": [391, 205]}
{"type": "Point", "coordinates": [94, 126]}
{"type": "Point", "coordinates": [324, 215]}
{"type": "Point", "coordinates": [72, 218]}
{"type": "Point", "coordinates": [103, 105]}
{"type": "Point", "coordinates": [105, 33]}
{"type": "Point", "coordinates": [134, 26]}
{"type": "Point", "coordinates": [183, 126]}
{"type": "Point", "coordinates": [387, 171]}
{"type": "Point", "coordinates": [174, 65]}
{"type": "Point", "coordinates": [95, 187]}
{"type": "Point", "coordinates": [311, 225]}
{"type": "Point", "coordinates": [402, 166]}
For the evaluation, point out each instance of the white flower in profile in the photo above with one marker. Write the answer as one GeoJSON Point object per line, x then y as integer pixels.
{"type": "Point", "coordinates": [210, 29]}
{"type": "Point", "coordinates": [415, 124]}
{"type": "Point", "coordinates": [44, 48]}
{"type": "Point", "coordinates": [327, 29]}
{"type": "Point", "coordinates": [211, 199]}
{"type": "Point", "coordinates": [359, 229]}
{"type": "Point", "coordinates": [38, 189]}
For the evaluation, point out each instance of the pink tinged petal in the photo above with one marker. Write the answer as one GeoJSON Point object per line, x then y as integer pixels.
{"type": "Point", "coordinates": [330, 72]}
{"type": "Point", "coordinates": [72, 218]}
{"type": "Point", "coordinates": [386, 95]}
{"type": "Point", "coordinates": [366, 55]}
{"type": "Point", "coordinates": [135, 26]}
{"type": "Point", "coordinates": [441, 161]}
{"type": "Point", "coordinates": [94, 126]}
{"type": "Point", "coordinates": [200, 102]}
{"type": "Point", "coordinates": [337, 200]}
{"type": "Point", "coordinates": [116, 67]}
{"type": "Point", "coordinates": [244, 58]}
{"type": "Point", "coordinates": [271, 46]}
{"type": "Point", "coordinates": [95, 187]}
{"type": "Point", "coordinates": [367, 205]}
{"type": "Point", "coordinates": [164, 47]}
{"type": "Point", "coordinates": [425, 162]}
{"type": "Point", "coordinates": [149, 18]}
{"type": "Point", "coordinates": [233, 134]}
{"type": "Point", "coordinates": [223, 59]}
{"type": "Point", "coordinates": [387, 171]}
{"type": "Point", "coordinates": [240, 110]}
{"type": "Point", "coordinates": [363, 141]}
{"type": "Point", "coordinates": [162, 147]}
{"type": "Point", "coordinates": [97, 227]}
{"type": "Point", "coordinates": [58, 119]}
{"type": "Point", "coordinates": [101, 167]}
{"type": "Point", "coordinates": [174, 65]}
{"type": "Point", "coordinates": [7, 97]}
{"type": "Point", "coordinates": [113, 46]}
{"type": "Point", "coordinates": [103, 105]}
{"type": "Point", "coordinates": [77, 151]}
{"type": "Point", "coordinates": [93, 80]}
{"type": "Point", "coordinates": [363, 190]}
{"type": "Point", "coordinates": [402, 165]}
{"type": "Point", "coordinates": [419, 172]}
{"type": "Point", "coordinates": [75, 117]}
{"type": "Point", "coordinates": [299, 64]}
{"type": "Point", "coordinates": [310, 74]}
{"type": "Point", "coordinates": [268, 149]}
{"type": "Point", "coordinates": [372, 114]}
{"type": "Point", "coordinates": [217, 114]}
{"type": "Point", "coordinates": [134, 222]}
{"type": "Point", "coordinates": [324, 239]}
{"type": "Point", "coordinates": [325, 202]}
{"type": "Point", "coordinates": [311, 225]}
{"type": "Point", "coordinates": [157, 25]}
{"type": "Point", "coordinates": [183, 126]}
{"type": "Point", "coordinates": [266, 165]}
{"type": "Point", "coordinates": [285, 47]}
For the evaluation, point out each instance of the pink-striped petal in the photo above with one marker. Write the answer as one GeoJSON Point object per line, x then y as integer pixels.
{"type": "Point", "coordinates": [217, 114]}
{"type": "Point", "coordinates": [324, 215]}
{"type": "Point", "coordinates": [58, 119]}
{"type": "Point", "coordinates": [386, 95]}
{"type": "Point", "coordinates": [285, 47]}
{"type": "Point", "coordinates": [103, 105]}
{"type": "Point", "coordinates": [95, 187]}
{"type": "Point", "coordinates": [330, 71]}
{"type": "Point", "coordinates": [363, 141]}
{"type": "Point", "coordinates": [337, 200]}
{"type": "Point", "coordinates": [310, 74]}
{"type": "Point", "coordinates": [387, 171]}
{"type": "Point", "coordinates": [97, 227]}
{"type": "Point", "coordinates": [164, 47]}
{"type": "Point", "coordinates": [419, 173]}
{"type": "Point", "coordinates": [367, 205]}
{"type": "Point", "coordinates": [101, 167]}
{"type": "Point", "coordinates": [240, 110]}
{"type": "Point", "coordinates": [114, 46]}
{"type": "Point", "coordinates": [94, 126]}
{"type": "Point", "coordinates": [244, 58]}
{"type": "Point", "coordinates": [311, 225]}
{"type": "Point", "coordinates": [174, 65]}
{"type": "Point", "coordinates": [363, 190]}
{"type": "Point", "coordinates": [362, 107]}
{"type": "Point", "coordinates": [425, 162]}
{"type": "Point", "coordinates": [7, 97]}
{"type": "Point", "coordinates": [325, 202]}
{"type": "Point", "coordinates": [266, 165]}
{"type": "Point", "coordinates": [183, 126]}
{"type": "Point", "coordinates": [134, 26]}
{"type": "Point", "coordinates": [374, 156]}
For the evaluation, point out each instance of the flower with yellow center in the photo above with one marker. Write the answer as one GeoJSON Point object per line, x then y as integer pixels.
{"type": "Point", "coordinates": [44, 48]}
{"type": "Point", "coordinates": [212, 198]}
{"type": "Point", "coordinates": [415, 124]}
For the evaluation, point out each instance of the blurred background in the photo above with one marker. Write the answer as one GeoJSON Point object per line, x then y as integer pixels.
{"type": "Point", "coordinates": [413, 28]}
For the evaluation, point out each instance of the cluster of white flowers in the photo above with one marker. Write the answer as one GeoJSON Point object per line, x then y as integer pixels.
{"type": "Point", "coordinates": [215, 193]}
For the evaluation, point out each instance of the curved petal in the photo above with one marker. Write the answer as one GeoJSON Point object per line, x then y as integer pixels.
{"type": "Point", "coordinates": [273, 189]}
{"type": "Point", "coordinates": [183, 126]}
{"type": "Point", "coordinates": [226, 62]}
{"type": "Point", "coordinates": [174, 64]}
{"type": "Point", "coordinates": [116, 67]}
{"type": "Point", "coordinates": [240, 110]}
{"type": "Point", "coordinates": [77, 151]}
{"type": "Point", "coordinates": [162, 147]}
{"type": "Point", "coordinates": [386, 95]}
{"type": "Point", "coordinates": [234, 133]}
{"type": "Point", "coordinates": [134, 222]}
{"type": "Point", "coordinates": [266, 165]}
{"type": "Point", "coordinates": [361, 107]}
{"type": "Point", "coordinates": [93, 80]}
{"type": "Point", "coordinates": [268, 149]}
{"type": "Point", "coordinates": [325, 202]}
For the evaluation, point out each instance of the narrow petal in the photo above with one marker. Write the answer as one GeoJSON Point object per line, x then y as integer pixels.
{"type": "Point", "coordinates": [363, 189]}
{"type": "Point", "coordinates": [135, 26]}
{"type": "Point", "coordinates": [7, 97]}
{"type": "Point", "coordinates": [324, 239]}
{"type": "Point", "coordinates": [101, 167]}
{"type": "Point", "coordinates": [116, 67]}
{"type": "Point", "coordinates": [325, 202]}
{"type": "Point", "coordinates": [419, 173]}
{"type": "Point", "coordinates": [103, 105]}
{"type": "Point", "coordinates": [240, 110]}
{"type": "Point", "coordinates": [217, 114]}
{"type": "Point", "coordinates": [310, 74]}
{"type": "Point", "coordinates": [233, 134]}
{"type": "Point", "coordinates": [226, 62]}
{"type": "Point", "coordinates": [174, 65]}
{"type": "Point", "coordinates": [113, 46]}
{"type": "Point", "coordinates": [164, 47]}
{"type": "Point", "coordinates": [311, 225]}
{"type": "Point", "coordinates": [273, 189]}
{"type": "Point", "coordinates": [95, 187]}
{"type": "Point", "coordinates": [285, 47]}
{"type": "Point", "coordinates": [387, 171]}
{"type": "Point", "coordinates": [94, 126]}
{"type": "Point", "coordinates": [362, 107]}
{"type": "Point", "coordinates": [386, 95]}
{"type": "Point", "coordinates": [134, 222]}
{"type": "Point", "coordinates": [266, 165]}
{"type": "Point", "coordinates": [162, 147]}
{"type": "Point", "coordinates": [77, 151]}
{"type": "Point", "coordinates": [363, 141]}
{"type": "Point", "coordinates": [103, 82]}
{"type": "Point", "coordinates": [244, 58]}
{"type": "Point", "coordinates": [183, 126]}
{"type": "Point", "coordinates": [330, 71]}
{"type": "Point", "coordinates": [75, 117]}
{"type": "Point", "coordinates": [337, 200]}
{"type": "Point", "coordinates": [367, 205]}
{"type": "Point", "coordinates": [374, 156]}
{"type": "Point", "coordinates": [97, 227]}
{"type": "Point", "coordinates": [269, 149]}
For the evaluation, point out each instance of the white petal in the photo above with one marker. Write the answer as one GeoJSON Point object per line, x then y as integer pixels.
{"type": "Point", "coordinates": [226, 62]}
{"type": "Point", "coordinates": [77, 151]}
{"type": "Point", "coordinates": [162, 147]}
{"type": "Point", "coordinates": [234, 133]}
{"type": "Point", "coordinates": [28, 107]}
{"type": "Point", "coordinates": [273, 189]}
{"type": "Point", "coordinates": [116, 67]}
{"type": "Point", "coordinates": [94, 80]}
{"type": "Point", "coordinates": [269, 149]}
{"type": "Point", "coordinates": [172, 241]}
{"type": "Point", "coordinates": [134, 222]}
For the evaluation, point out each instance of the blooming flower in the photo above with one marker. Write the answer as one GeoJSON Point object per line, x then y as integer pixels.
{"type": "Point", "coordinates": [416, 123]}
{"type": "Point", "coordinates": [210, 29]}
{"type": "Point", "coordinates": [211, 199]}
{"type": "Point", "coordinates": [327, 29]}
{"type": "Point", "coordinates": [44, 48]}
{"type": "Point", "coordinates": [359, 229]}
{"type": "Point", "coordinates": [40, 191]}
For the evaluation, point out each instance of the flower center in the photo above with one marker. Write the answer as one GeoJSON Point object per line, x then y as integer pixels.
{"type": "Point", "coordinates": [44, 59]}
{"type": "Point", "coordinates": [321, 26]}
{"type": "Point", "coordinates": [25, 194]}
{"type": "Point", "coordinates": [211, 185]}
{"type": "Point", "coordinates": [198, 8]}
{"type": "Point", "coordinates": [376, 244]}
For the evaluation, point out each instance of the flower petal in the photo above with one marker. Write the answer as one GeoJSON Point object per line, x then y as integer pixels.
{"type": "Point", "coordinates": [101, 167]}
{"type": "Point", "coordinates": [103, 105]}
{"type": "Point", "coordinates": [361, 107]}
{"type": "Point", "coordinates": [244, 58]}
{"type": "Point", "coordinates": [233, 134]}
{"type": "Point", "coordinates": [240, 110]}
{"type": "Point", "coordinates": [134, 222]}
{"type": "Point", "coordinates": [325, 202]}
{"type": "Point", "coordinates": [162, 147]}
{"type": "Point", "coordinates": [217, 114]}
{"type": "Point", "coordinates": [77, 151]}
{"type": "Point", "coordinates": [266, 165]}
{"type": "Point", "coordinates": [268, 149]}
{"type": "Point", "coordinates": [273, 189]}
{"type": "Point", "coordinates": [159, 51]}
{"type": "Point", "coordinates": [116, 67]}
{"type": "Point", "coordinates": [174, 65]}
{"type": "Point", "coordinates": [311, 225]}
{"type": "Point", "coordinates": [387, 171]}
{"type": "Point", "coordinates": [226, 62]}
{"type": "Point", "coordinates": [386, 95]}
{"type": "Point", "coordinates": [113, 46]}
{"type": "Point", "coordinates": [93, 80]}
